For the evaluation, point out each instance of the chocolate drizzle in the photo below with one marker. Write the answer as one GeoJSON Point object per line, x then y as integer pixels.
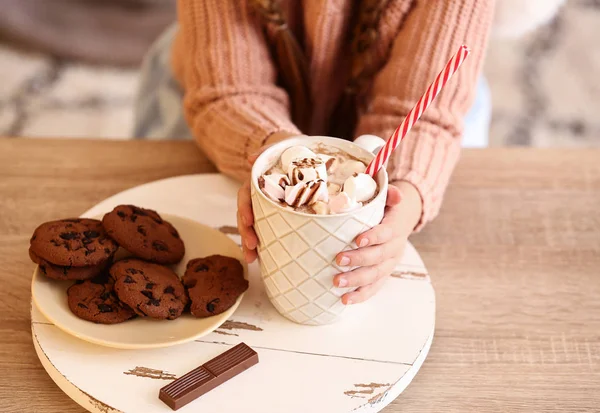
{"type": "Point", "coordinates": [284, 181]}
{"type": "Point", "coordinates": [297, 175]}
{"type": "Point", "coordinates": [307, 195]}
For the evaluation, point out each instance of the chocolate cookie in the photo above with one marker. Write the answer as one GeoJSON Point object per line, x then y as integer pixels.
{"type": "Point", "coordinates": [149, 289]}
{"type": "Point", "coordinates": [95, 300]}
{"type": "Point", "coordinates": [73, 242]}
{"type": "Point", "coordinates": [214, 284]}
{"type": "Point", "coordinates": [145, 234]}
{"type": "Point", "coordinates": [58, 272]}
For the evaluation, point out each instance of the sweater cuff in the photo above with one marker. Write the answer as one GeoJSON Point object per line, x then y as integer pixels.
{"type": "Point", "coordinates": [426, 158]}
{"type": "Point", "coordinates": [231, 128]}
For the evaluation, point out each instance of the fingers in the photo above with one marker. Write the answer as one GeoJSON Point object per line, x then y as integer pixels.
{"type": "Point", "coordinates": [249, 255]}
{"type": "Point", "coordinates": [249, 241]}
{"type": "Point", "coordinates": [368, 256]}
{"type": "Point", "coordinates": [249, 237]}
{"type": "Point", "coordinates": [245, 220]}
{"type": "Point", "coordinates": [394, 196]}
{"type": "Point", "coordinates": [363, 293]}
{"type": "Point", "coordinates": [392, 226]}
{"type": "Point", "coordinates": [365, 275]}
{"type": "Point", "coordinates": [379, 234]}
{"type": "Point", "coordinates": [245, 205]}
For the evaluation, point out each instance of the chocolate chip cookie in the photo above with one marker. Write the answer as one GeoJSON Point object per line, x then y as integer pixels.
{"type": "Point", "coordinates": [58, 272]}
{"type": "Point", "coordinates": [73, 242]}
{"type": "Point", "coordinates": [95, 300]}
{"type": "Point", "coordinates": [214, 284]}
{"type": "Point", "coordinates": [149, 289]}
{"type": "Point", "coordinates": [145, 234]}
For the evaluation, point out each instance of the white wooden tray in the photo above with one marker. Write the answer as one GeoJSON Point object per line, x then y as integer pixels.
{"type": "Point", "coordinates": [359, 364]}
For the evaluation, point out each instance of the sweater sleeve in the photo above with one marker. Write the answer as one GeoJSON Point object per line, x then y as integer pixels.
{"type": "Point", "coordinates": [430, 34]}
{"type": "Point", "coordinates": [231, 103]}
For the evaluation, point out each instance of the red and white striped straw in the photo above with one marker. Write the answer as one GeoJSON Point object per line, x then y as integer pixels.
{"type": "Point", "coordinates": [416, 112]}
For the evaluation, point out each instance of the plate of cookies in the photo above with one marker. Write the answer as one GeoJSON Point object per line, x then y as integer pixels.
{"type": "Point", "coordinates": [135, 278]}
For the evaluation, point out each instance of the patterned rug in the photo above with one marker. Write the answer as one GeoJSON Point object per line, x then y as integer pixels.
{"type": "Point", "coordinates": [544, 86]}
{"type": "Point", "coordinates": [544, 89]}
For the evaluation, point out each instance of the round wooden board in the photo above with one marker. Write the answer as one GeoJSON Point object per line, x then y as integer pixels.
{"type": "Point", "coordinates": [359, 364]}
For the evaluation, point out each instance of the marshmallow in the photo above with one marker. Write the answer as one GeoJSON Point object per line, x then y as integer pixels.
{"type": "Point", "coordinates": [320, 194]}
{"type": "Point", "coordinates": [346, 170]}
{"type": "Point", "coordinates": [360, 187]}
{"type": "Point", "coordinates": [342, 203]}
{"type": "Point", "coordinates": [281, 179]}
{"type": "Point", "coordinates": [295, 152]}
{"type": "Point", "coordinates": [273, 186]}
{"type": "Point", "coordinates": [306, 170]}
{"type": "Point", "coordinates": [322, 183]}
{"type": "Point", "coordinates": [321, 208]}
{"type": "Point", "coordinates": [306, 193]}
{"type": "Point", "coordinates": [331, 162]}
{"type": "Point", "coordinates": [333, 189]}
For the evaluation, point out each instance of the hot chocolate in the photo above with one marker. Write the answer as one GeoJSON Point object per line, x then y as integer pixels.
{"type": "Point", "coordinates": [325, 181]}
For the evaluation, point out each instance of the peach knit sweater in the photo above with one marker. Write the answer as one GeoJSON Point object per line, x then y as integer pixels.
{"type": "Point", "coordinates": [233, 104]}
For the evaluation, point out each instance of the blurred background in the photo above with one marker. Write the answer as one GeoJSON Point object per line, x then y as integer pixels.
{"type": "Point", "coordinates": [69, 68]}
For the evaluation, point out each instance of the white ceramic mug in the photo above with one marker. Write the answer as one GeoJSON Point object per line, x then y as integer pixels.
{"type": "Point", "coordinates": [297, 250]}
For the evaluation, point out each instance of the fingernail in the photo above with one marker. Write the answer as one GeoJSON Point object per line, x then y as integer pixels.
{"type": "Point", "coordinates": [348, 301]}
{"type": "Point", "coordinates": [344, 261]}
{"type": "Point", "coordinates": [248, 245]}
{"type": "Point", "coordinates": [342, 282]}
{"type": "Point", "coordinates": [363, 242]}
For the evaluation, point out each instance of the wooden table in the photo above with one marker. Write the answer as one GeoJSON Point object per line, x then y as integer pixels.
{"type": "Point", "coordinates": [514, 256]}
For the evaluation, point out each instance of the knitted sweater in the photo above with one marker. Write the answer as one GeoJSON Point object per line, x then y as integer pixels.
{"type": "Point", "coordinates": [233, 104]}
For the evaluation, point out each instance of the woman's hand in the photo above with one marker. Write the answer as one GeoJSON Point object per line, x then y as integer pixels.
{"type": "Point", "coordinates": [381, 247]}
{"type": "Point", "coordinates": [245, 217]}
{"type": "Point", "coordinates": [245, 222]}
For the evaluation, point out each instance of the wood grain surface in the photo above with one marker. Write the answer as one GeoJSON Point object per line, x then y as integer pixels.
{"type": "Point", "coordinates": [514, 257]}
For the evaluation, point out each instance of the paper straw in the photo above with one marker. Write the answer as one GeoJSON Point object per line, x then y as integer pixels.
{"type": "Point", "coordinates": [416, 112]}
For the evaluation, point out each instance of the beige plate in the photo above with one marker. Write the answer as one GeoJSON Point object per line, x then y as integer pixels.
{"type": "Point", "coordinates": [50, 298]}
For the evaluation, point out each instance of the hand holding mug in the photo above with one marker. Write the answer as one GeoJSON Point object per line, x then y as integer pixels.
{"type": "Point", "coordinates": [380, 249]}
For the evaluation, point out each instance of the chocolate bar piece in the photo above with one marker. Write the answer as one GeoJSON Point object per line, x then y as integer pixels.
{"type": "Point", "coordinates": [211, 374]}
